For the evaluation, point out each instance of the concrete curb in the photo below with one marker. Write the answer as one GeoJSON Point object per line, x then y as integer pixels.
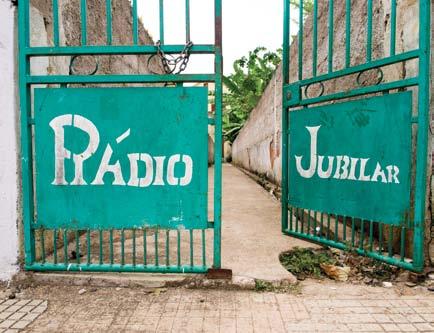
{"type": "Point", "coordinates": [147, 281]}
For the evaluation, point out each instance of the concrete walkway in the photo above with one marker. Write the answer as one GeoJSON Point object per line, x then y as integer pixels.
{"type": "Point", "coordinates": [251, 236]}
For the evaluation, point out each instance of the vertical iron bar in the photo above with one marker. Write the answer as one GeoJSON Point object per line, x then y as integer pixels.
{"type": "Point", "coordinates": [167, 247]}
{"type": "Point", "coordinates": [191, 248]}
{"type": "Point", "coordinates": [362, 234]}
{"type": "Point", "coordinates": [393, 28]}
{"type": "Point", "coordinates": [135, 24]}
{"type": "Point", "coordinates": [109, 32]}
{"type": "Point", "coordinates": [290, 218]}
{"type": "Point", "coordinates": [285, 80]}
{"type": "Point", "coordinates": [347, 33]}
{"type": "Point", "coordinates": [296, 219]}
{"type": "Point", "coordinates": [369, 33]}
{"type": "Point", "coordinates": [380, 238]}
{"type": "Point", "coordinates": [314, 223]}
{"type": "Point", "coordinates": [134, 247]}
{"type": "Point", "coordinates": [145, 248]}
{"type": "Point", "coordinates": [55, 245]}
{"type": "Point", "coordinates": [422, 132]}
{"type": "Point", "coordinates": [43, 245]}
{"type": "Point", "coordinates": [111, 246]}
{"type": "Point", "coordinates": [344, 224]}
{"type": "Point", "coordinates": [331, 36]}
{"type": "Point", "coordinates": [322, 224]}
{"type": "Point", "coordinates": [156, 247]}
{"type": "Point", "coordinates": [65, 246]}
{"type": "Point", "coordinates": [83, 17]}
{"type": "Point", "coordinates": [179, 247]}
{"type": "Point", "coordinates": [336, 228]}
{"type": "Point", "coordinates": [315, 38]}
{"type": "Point", "coordinates": [218, 133]}
{"type": "Point", "coordinates": [308, 222]}
{"type": "Point", "coordinates": [187, 21]}
{"type": "Point", "coordinates": [203, 248]}
{"type": "Point", "coordinates": [161, 8]}
{"type": "Point", "coordinates": [88, 245]}
{"type": "Point", "coordinates": [353, 231]}
{"type": "Point", "coordinates": [402, 251]}
{"type": "Point", "coordinates": [302, 221]}
{"type": "Point", "coordinates": [122, 247]}
{"type": "Point", "coordinates": [56, 22]}
{"type": "Point", "coordinates": [371, 235]}
{"type": "Point", "coordinates": [300, 41]}
{"type": "Point", "coordinates": [100, 246]}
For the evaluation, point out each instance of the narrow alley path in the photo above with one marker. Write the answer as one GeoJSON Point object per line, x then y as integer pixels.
{"type": "Point", "coordinates": [251, 237]}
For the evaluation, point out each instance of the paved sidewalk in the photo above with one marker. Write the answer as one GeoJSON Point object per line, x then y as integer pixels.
{"type": "Point", "coordinates": [322, 308]}
{"type": "Point", "coordinates": [17, 314]}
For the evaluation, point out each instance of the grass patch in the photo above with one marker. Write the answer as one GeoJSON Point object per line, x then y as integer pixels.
{"type": "Point", "coordinates": [266, 286]}
{"type": "Point", "coordinates": [304, 262]}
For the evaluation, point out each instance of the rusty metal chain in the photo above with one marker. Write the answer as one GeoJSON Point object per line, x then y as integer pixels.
{"type": "Point", "coordinates": [172, 64]}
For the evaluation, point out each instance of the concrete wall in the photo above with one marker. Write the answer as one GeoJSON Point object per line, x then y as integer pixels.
{"type": "Point", "coordinates": [8, 145]}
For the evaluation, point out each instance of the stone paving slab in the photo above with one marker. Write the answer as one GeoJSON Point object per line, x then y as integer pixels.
{"type": "Point", "coordinates": [16, 314]}
{"type": "Point", "coordinates": [186, 310]}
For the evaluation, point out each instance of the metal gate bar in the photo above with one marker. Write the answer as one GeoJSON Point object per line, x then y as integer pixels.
{"type": "Point", "coordinates": [101, 257]}
{"type": "Point", "coordinates": [165, 241]}
{"type": "Point", "coordinates": [371, 238]}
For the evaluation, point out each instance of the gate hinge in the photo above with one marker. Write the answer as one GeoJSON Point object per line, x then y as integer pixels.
{"type": "Point", "coordinates": [291, 95]}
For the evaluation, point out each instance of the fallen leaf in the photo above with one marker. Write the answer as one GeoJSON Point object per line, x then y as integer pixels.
{"type": "Point", "coordinates": [335, 272]}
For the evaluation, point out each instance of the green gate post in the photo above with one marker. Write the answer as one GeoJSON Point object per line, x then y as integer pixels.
{"type": "Point", "coordinates": [422, 132]}
{"type": "Point", "coordinates": [285, 81]}
{"type": "Point", "coordinates": [218, 134]}
{"type": "Point", "coordinates": [26, 134]}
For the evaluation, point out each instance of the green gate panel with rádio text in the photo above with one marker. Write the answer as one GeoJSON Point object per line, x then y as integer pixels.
{"type": "Point", "coordinates": [121, 157]}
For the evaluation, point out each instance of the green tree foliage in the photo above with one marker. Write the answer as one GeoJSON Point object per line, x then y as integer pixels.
{"type": "Point", "coordinates": [307, 5]}
{"type": "Point", "coordinates": [245, 87]}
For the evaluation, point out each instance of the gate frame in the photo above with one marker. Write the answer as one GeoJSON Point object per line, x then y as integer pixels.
{"type": "Point", "coordinates": [26, 80]}
{"type": "Point", "coordinates": [292, 97]}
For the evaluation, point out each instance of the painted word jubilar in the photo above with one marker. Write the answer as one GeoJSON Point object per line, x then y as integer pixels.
{"type": "Point", "coordinates": [353, 158]}
{"type": "Point", "coordinates": [346, 167]}
{"type": "Point", "coordinates": [106, 166]}
{"type": "Point", "coordinates": [122, 157]}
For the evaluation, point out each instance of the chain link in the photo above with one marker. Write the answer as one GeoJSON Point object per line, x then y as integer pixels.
{"type": "Point", "coordinates": [172, 64]}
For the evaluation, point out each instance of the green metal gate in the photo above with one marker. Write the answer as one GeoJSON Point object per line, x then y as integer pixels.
{"type": "Point", "coordinates": [354, 172]}
{"type": "Point", "coordinates": [151, 215]}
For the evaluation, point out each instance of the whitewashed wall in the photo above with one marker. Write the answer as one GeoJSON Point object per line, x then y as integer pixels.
{"type": "Point", "coordinates": [8, 144]}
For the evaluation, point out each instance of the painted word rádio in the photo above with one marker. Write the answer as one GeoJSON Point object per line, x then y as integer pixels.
{"type": "Point", "coordinates": [156, 175]}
